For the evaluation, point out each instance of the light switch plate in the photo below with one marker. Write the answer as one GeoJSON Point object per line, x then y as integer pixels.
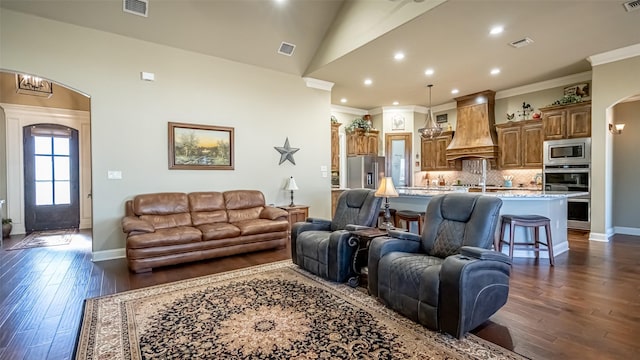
{"type": "Point", "coordinates": [114, 174]}
{"type": "Point", "coordinates": [323, 168]}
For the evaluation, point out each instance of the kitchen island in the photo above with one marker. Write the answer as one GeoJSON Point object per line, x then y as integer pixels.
{"type": "Point", "coordinates": [552, 204]}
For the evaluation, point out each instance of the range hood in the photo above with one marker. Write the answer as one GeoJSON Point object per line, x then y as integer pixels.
{"type": "Point", "coordinates": [475, 135]}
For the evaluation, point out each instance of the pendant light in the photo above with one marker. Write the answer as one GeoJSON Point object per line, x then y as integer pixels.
{"type": "Point", "coordinates": [431, 129]}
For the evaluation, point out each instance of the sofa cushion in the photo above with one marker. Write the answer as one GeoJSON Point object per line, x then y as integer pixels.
{"type": "Point", "coordinates": [160, 204]}
{"type": "Point", "coordinates": [261, 226]}
{"type": "Point", "coordinates": [207, 208]}
{"type": "Point", "coordinates": [168, 221]}
{"type": "Point", "coordinates": [164, 237]}
{"type": "Point", "coordinates": [217, 231]}
{"type": "Point", "coordinates": [243, 204]}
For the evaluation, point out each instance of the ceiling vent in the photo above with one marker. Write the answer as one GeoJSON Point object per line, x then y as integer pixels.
{"type": "Point", "coordinates": [522, 42]}
{"type": "Point", "coordinates": [632, 5]}
{"type": "Point", "coordinates": [136, 7]}
{"type": "Point", "coordinates": [286, 49]}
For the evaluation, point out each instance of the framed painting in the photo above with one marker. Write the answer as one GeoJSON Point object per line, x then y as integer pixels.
{"type": "Point", "coordinates": [200, 147]}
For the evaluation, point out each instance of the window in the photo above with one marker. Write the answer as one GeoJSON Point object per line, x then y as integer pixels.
{"type": "Point", "coordinates": [52, 170]}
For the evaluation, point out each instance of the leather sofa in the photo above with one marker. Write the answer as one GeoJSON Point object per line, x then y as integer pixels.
{"type": "Point", "coordinates": [171, 228]}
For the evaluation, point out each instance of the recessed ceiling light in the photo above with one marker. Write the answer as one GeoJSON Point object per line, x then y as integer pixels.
{"type": "Point", "coordinates": [395, 103]}
{"type": "Point", "coordinates": [343, 100]}
{"type": "Point", "coordinates": [368, 81]}
{"type": "Point", "coordinates": [428, 72]}
{"type": "Point", "coordinates": [455, 91]}
{"type": "Point", "coordinates": [495, 71]}
{"type": "Point", "coordinates": [496, 30]}
{"type": "Point", "coordinates": [398, 56]}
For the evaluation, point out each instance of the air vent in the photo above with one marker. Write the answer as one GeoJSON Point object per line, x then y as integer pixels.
{"type": "Point", "coordinates": [136, 7]}
{"type": "Point", "coordinates": [522, 42]}
{"type": "Point", "coordinates": [632, 5]}
{"type": "Point", "coordinates": [286, 49]}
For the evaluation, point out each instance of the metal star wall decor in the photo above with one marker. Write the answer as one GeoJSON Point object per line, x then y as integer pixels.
{"type": "Point", "coordinates": [286, 152]}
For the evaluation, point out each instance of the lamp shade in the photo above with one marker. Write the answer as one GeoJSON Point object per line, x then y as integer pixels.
{"type": "Point", "coordinates": [291, 185]}
{"type": "Point", "coordinates": [386, 188]}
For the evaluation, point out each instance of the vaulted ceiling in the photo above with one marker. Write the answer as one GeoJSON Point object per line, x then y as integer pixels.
{"type": "Point", "coordinates": [346, 42]}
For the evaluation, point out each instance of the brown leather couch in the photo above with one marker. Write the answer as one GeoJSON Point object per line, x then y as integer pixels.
{"type": "Point", "coordinates": [172, 228]}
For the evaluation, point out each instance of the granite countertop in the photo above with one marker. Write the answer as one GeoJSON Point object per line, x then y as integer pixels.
{"type": "Point", "coordinates": [498, 192]}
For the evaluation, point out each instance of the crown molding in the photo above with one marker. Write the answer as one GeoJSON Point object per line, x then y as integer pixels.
{"type": "Point", "coordinates": [318, 84]}
{"type": "Point", "coordinates": [544, 85]}
{"type": "Point", "coordinates": [614, 55]}
{"type": "Point", "coordinates": [348, 110]}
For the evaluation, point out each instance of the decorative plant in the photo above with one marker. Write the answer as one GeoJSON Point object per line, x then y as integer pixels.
{"type": "Point", "coordinates": [334, 120]}
{"type": "Point", "coordinates": [359, 123]}
{"type": "Point", "coordinates": [568, 99]}
{"type": "Point", "coordinates": [6, 221]}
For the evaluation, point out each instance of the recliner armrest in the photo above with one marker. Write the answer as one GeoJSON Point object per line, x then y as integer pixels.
{"type": "Point", "coordinates": [404, 235]}
{"type": "Point", "coordinates": [319, 221]}
{"type": "Point", "coordinates": [484, 254]}
{"type": "Point", "coordinates": [352, 227]}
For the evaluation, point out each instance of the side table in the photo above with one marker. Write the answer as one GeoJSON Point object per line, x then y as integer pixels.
{"type": "Point", "coordinates": [360, 240]}
{"type": "Point", "coordinates": [297, 213]}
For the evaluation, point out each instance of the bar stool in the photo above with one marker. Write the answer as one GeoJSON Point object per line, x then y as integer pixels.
{"type": "Point", "coordinates": [392, 217]}
{"type": "Point", "coordinates": [409, 217]}
{"type": "Point", "coordinates": [526, 221]}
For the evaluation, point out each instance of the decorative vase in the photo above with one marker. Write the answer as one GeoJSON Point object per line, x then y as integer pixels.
{"type": "Point", "coordinates": [6, 230]}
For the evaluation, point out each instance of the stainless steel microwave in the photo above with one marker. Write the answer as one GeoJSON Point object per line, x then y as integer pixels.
{"type": "Point", "coordinates": [567, 151]}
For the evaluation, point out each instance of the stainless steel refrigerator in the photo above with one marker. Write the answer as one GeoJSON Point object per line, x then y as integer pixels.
{"type": "Point", "coordinates": [365, 171]}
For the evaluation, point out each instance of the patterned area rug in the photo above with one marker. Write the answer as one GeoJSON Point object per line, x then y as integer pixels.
{"type": "Point", "coordinates": [273, 311]}
{"type": "Point", "coordinates": [45, 238]}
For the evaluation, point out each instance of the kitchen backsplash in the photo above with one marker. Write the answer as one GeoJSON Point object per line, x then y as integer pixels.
{"type": "Point", "coordinates": [468, 176]}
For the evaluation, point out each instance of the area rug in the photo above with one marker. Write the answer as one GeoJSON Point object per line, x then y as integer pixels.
{"type": "Point", "coordinates": [273, 311]}
{"type": "Point", "coordinates": [45, 238]}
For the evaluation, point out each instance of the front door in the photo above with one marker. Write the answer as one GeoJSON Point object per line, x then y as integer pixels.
{"type": "Point", "coordinates": [51, 177]}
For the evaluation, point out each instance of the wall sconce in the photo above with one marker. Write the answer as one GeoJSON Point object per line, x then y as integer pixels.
{"type": "Point", "coordinates": [32, 85]}
{"type": "Point", "coordinates": [616, 129]}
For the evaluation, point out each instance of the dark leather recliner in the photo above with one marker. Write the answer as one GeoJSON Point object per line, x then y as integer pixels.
{"type": "Point", "coordinates": [447, 279]}
{"type": "Point", "coordinates": [322, 246]}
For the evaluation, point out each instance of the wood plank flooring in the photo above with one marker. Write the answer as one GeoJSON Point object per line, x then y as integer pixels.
{"type": "Point", "coordinates": [586, 307]}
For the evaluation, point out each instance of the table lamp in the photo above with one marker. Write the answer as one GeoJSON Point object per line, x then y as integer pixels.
{"type": "Point", "coordinates": [386, 190]}
{"type": "Point", "coordinates": [291, 186]}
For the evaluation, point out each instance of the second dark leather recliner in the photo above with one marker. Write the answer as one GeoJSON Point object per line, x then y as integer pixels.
{"type": "Point", "coordinates": [447, 279]}
{"type": "Point", "coordinates": [321, 246]}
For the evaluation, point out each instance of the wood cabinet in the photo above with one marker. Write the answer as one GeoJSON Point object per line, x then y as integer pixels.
{"type": "Point", "coordinates": [434, 154]}
{"type": "Point", "coordinates": [520, 144]}
{"type": "Point", "coordinates": [335, 147]}
{"type": "Point", "coordinates": [360, 142]}
{"type": "Point", "coordinates": [335, 194]}
{"type": "Point", "coordinates": [297, 213]}
{"type": "Point", "coordinates": [567, 121]}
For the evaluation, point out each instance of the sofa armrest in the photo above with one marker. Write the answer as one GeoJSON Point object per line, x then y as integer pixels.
{"type": "Point", "coordinates": [475, 289]}
{"type": "Point", "coordinates": [273, 213]}
{"type": "Point", "coordinates": [381, 246]}
{"type": "Point", "coordinates": [135, 224]}
{"type": "Point", "coordinates": [484, 254]}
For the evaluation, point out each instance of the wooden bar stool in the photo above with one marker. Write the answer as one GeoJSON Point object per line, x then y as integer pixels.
{"type": "Point", "coordinates": [408, 217]}
{"type": "Point", "coordinates": [527, 221]}
{"type": "Point", "coordinates": [392, 217]}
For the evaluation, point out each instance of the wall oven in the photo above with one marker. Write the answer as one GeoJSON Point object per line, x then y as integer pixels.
{"type": "Point", "coordinates": [572, 178]}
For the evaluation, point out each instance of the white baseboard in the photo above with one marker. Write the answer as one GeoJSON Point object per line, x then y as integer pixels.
{"type": "Point", "coordinates": [108, 255]}
{"type": "Point", "coordinates": [600, 236]}
{"type": "Point", "coordinates": [627, 230]}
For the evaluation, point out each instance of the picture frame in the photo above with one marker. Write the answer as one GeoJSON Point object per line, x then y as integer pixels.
{"type": "Point", "coordinates": [442, 118]}
{"type": "Point", "coordinates": [584, 90]}
{"type": "Point", "coordinates": [200, 147]}
{"type": "Point", "coordinates": [397, 122]}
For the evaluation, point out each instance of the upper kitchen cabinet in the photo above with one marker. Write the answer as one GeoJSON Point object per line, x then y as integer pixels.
{"type": "Point", "coordinates": [361, 142]}
{"type": "Point", "coordinates": [335, 146]}
{"type": "Point", "coordinates": [520, 144]}
{"type": "Point", "coordinates": [567, 121]}
{"type": "Point", "coordinates": [434, 154]}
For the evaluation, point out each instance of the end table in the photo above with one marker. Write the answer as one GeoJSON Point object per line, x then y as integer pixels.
{"type": "Point", "coordinates": [360, 239]}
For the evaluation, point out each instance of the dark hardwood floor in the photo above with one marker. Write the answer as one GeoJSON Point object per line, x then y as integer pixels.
{"type": "Point", "coordinates": [586, 307]}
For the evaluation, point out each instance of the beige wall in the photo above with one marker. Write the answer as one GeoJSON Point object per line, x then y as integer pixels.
{"type": "Point", "coordinates": [612, 82]}
{"type": "Point", "coordinates": [62, 97]}
{"type": "Point", "coordinates": [626, 166]}
{"type": "Point", "coordinates": [129, 117]}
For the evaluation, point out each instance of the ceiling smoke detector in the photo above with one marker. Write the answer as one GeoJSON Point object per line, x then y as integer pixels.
{"type": "Point", "coordinates": [632, 5]}
{"type": "Point", "coordinates": [136, 7]}
{"type": "Point", "coordinates": [522, 42]}
{"type": "Point", "coordinates": [286, 49]}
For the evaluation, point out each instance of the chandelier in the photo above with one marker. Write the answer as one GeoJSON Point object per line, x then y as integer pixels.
{"type": "Point", "coordinates": [32, 85]}
{"type": "Point", "coordinates": [431, 129]}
